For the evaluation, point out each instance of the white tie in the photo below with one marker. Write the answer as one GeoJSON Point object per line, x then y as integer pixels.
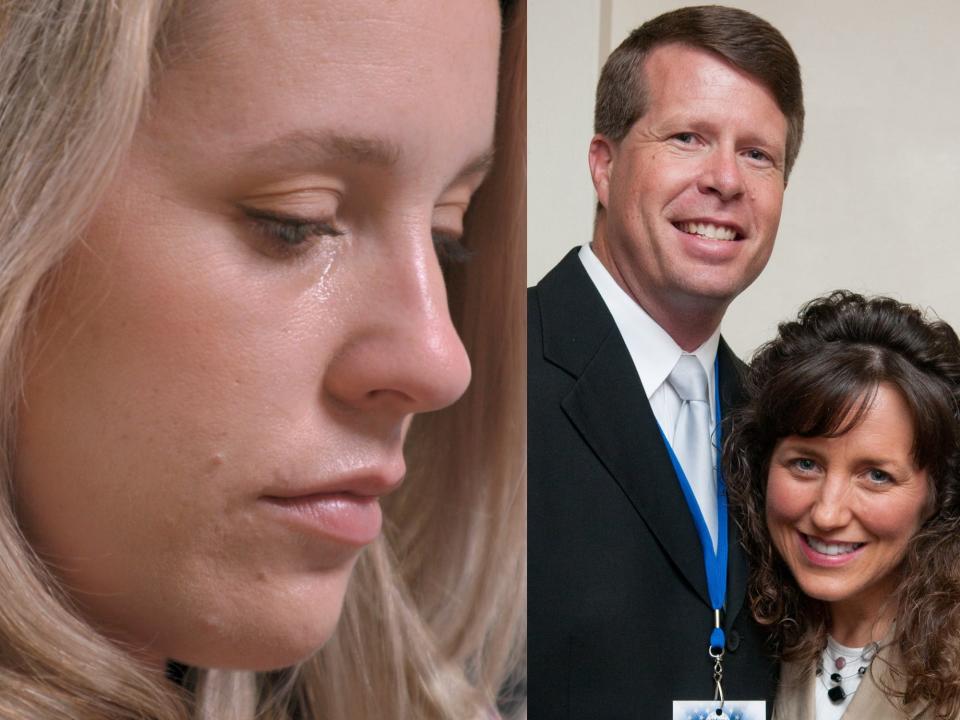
{"type": "Point", "coordinates": [691, 437]}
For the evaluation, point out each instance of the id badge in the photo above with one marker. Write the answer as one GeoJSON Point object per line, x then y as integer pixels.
{"type": "Point", "coordinates": [708, 710]}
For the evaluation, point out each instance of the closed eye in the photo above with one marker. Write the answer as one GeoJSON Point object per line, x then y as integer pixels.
{"type": "Point", "coordinates": [450, 249]}
{"type": "Point", "coordinates": [289, 232]}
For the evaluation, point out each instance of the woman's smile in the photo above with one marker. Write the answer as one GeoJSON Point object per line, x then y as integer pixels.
{"type": "Point", "coordinates": [841, 510]}
{"type": "Point", "coordinates": [828, 553]}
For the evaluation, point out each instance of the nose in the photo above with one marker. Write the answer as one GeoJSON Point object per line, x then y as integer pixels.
{"type": "Point", "coordinates": [401, 352]}
{"type": "Point", "coordinates": [831, 509]}
{"type": "Point", "coordinates": [722, 175]}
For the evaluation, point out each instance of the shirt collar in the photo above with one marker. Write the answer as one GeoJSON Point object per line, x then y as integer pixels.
{"type": "Point", "coordinates": [653, 351]}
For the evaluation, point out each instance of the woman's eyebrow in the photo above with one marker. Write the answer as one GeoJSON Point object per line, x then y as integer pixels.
{"type": "Point", "coordinates": [801, 446]}
{"type": "Point", "coordinates": [308, 149]}
{"type": "Point", "coordinates": [303, 148]}
{"type": "Point", "coordinates": [479, 165]}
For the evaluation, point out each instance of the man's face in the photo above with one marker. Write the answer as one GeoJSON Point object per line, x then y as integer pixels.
{"type": "Point", "coordinates": [693, 192]}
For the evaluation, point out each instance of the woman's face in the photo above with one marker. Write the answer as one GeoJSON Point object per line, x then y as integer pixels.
{"type": "Point", "coordinates": [842, 510]}
{"type": "Point", "coordinates": [226, 366]}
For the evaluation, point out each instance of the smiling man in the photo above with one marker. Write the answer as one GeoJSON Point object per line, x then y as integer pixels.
{"type": "Point", "coordinates": [635, 570]}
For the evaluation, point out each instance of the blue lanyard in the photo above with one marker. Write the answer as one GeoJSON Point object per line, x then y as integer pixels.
{"type": "Point", "coordinates": [715, 562]}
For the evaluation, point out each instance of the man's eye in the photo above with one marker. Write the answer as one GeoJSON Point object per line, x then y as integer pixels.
{"type": "Point", "coordinates": [685, 137]}
{"type": "Point", "coordinates": [759, 156]}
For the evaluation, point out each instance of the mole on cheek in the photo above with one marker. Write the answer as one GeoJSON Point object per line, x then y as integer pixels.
{"type": "Point", "coordinates": [215, 463]}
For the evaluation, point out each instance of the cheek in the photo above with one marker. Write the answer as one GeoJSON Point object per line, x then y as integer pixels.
{"type": "Point", "coordinates": [155, 361]}
{"type": "Point", "coordinates": [780, 500]}
{"type": "Point", "coordinates": [894, 522]}
{"type": "Point", "coordinates": [154, 409]}
{"type": "Point", "coordinates": [662, 178]}
{"type": "Point", "coordinates": [786, 503]}
{"type": "Point", "coordinates": [651, 188]}
{"type": "Point", "coordinates": [766, 196]}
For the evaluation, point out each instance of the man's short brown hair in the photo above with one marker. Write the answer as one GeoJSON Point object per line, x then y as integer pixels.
{"type": "Point", "coordinates": [745, 41]}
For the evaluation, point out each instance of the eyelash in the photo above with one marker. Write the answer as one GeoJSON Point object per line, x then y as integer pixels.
{"type": "Point", "coordinates": [292, 233]}
{"type": "Point", "coordinates": [687, 138]}
{"type": "Point", "coordinates": [887, 477]}
{"type": "Point", "coordinates": [288, 231]}
{"type": "Point", "coordinates": [761, 156]}
{"type": "Point", "coordinates": [450, 250]}
{"type": "Point", "coordinates": [795, 463]}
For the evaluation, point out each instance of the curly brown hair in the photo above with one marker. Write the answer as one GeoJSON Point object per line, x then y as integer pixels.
{"type": "Point", "coordinates": [816, 379]}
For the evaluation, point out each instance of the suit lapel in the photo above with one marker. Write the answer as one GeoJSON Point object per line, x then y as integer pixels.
{"type": "Point", "coordinates": [609, 408]}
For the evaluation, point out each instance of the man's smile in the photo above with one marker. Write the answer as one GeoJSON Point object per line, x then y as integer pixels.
{"type": "Point", "coordinates": [715, 231]}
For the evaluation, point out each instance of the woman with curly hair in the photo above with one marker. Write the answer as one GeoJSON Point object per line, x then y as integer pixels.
{"type": "Point", "coordinates": [242, 474]}
{"type": "Point", "coordinates": [843, 465]}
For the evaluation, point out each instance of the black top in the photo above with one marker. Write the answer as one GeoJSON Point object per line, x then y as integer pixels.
{"type": "Point", "coordinates": [619, 614]}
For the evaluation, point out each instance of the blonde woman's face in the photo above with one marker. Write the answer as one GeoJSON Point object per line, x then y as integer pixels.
{"type": "Point", "coordinates": [226, 365]}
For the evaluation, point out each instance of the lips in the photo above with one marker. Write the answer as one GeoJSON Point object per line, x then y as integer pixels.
{"type": "Point", "coordinates": [344, 510]}
{"type": "Point", "coordinates": [341, 518]}
{"type": "Point", "coordinates": [828, 554]}
{"type": "Point", "coordinates": [363, 483]}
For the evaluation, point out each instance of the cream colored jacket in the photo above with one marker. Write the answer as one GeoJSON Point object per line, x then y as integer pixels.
{"type": "Point", "coordinates": [795, 695]}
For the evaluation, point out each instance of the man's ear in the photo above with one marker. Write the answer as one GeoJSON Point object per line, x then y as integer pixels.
{"type": "Point", "coordinates": [600, 158]}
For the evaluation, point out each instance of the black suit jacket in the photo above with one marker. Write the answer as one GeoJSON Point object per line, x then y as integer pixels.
{"type": "Point", "coordinates": [619, 615]}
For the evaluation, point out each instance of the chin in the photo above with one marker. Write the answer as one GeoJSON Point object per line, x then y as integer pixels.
{"type": "Point", "coordinates": [824, 591]}
{"type": "Point", "coordinates": [260, 648]}
{"type": "Point", "coordinates": [266, 634]}
{"type": "Point", "coordinates": [715, 288]}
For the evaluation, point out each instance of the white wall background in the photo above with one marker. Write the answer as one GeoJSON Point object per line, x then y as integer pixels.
{"type": "Point", "coordinates": [870, 201]}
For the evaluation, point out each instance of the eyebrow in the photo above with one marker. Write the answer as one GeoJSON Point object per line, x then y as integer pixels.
{"type": "Point", "coordinates": [480, 165]}
{"type": "Point", "coordinates": [297, 148]}
{"type": "Point", "coordinates": [300, 147]}
{"type": "Point", "coordinates": [801, 447]}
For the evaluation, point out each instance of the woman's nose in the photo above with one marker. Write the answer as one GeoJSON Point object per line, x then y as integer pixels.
{"type": "Point", "coordinates": [401, 352]}
{"type": "Point", "coordinates": [831, 509]}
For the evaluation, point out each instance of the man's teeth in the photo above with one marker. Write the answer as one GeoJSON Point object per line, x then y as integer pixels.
{"type": "Point", "coordinates": [717, 232]}
{"type": "Point", "coordinates": [832, 548]}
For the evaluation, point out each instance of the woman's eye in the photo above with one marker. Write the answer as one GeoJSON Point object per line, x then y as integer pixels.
{"type": "Point", "coordinates": [879, 477]}
{"type": "Point", "coordinates": [450, 249]}
{"type": "Point", "coordinates": [804, 465]}
{"type": "Point", "coordinates": [288, 231]}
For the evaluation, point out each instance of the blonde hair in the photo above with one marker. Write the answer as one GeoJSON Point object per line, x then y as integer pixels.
{"type": "Point", "coordinates": [433, 622]}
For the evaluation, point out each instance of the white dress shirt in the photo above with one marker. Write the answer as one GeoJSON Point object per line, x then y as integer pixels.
{"type": "Point", "coordinates": [653, 351]}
